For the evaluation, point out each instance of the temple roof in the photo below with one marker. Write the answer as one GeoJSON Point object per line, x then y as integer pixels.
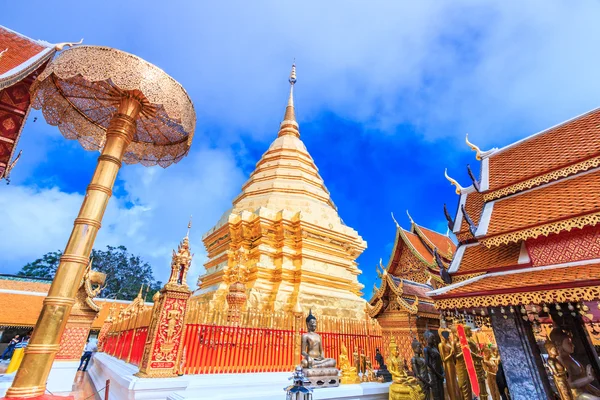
{"type": "Point", "coordinates": [406, 295]}
{"type": "Point", "coordinates": [21, 59]}
{"type": "Point", "coordinates": [434, 240]}
{"type": "Point", "coordinates": [476, 257]}
{"type": "Point", "coordinates": [550, 284]}
{"type": "Point", "coordinates": [544, 209]}
{"type": "Point", "coordinates": [567, 143]}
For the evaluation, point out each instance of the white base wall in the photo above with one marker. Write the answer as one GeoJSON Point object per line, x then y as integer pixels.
{"type": "Point", "coordinates": [60, 380]}
{"type": "Point", "coordinates": [258, 386]}
{"type": "Point", "coordinates": [62, 376]}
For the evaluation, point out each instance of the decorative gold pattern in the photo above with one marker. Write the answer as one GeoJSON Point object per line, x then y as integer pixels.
{"type": "Point", "coordinates": [545, 178]}
{"type": "Point", "coordinates": [590, 293]}
{"type": "Point", "coordinates": [545, 230]}
{"type": "Point", "coordinates": [80, 91]}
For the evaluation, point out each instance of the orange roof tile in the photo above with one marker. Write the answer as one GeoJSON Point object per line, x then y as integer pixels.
{"type": "Point", "coordinates": [527, 281]}
{"type": "Point", "coordinates": [567, 143]}
{"type": "Point", "coordinates": [418, 245]}
{"type": "Point", "coordinates": [564, 199]}
{"type": "Point", "coordinates": [416, 289]}
{"type": "Point", "coordinates": [473, 207]}
{"type": "Point", "coordinates": [19, 49]}
{"type": "Point", "coordinates": [444, 245]}
{"type": "Point", "coordinates": [479, 258]}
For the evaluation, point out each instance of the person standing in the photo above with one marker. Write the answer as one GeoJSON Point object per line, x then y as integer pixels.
{"type": "Point", "coordinates": [88, 352]}
{"type": "Point", "coordinates": [7, 353]}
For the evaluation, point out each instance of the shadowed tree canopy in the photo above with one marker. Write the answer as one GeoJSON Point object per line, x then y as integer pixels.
{"type": "Point", "coordinates": [125, 273]}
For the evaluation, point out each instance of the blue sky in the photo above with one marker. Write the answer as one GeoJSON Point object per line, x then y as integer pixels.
{"type": "Point", "coordinates": [386, 92]}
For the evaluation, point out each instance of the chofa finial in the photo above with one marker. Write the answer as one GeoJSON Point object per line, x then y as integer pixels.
{"type": "Point", "coordinates": [453, 181]}
{"type": "Point", "coordinates": [473, 147]}
{"type": "Point", "coordinates": [396, 222]}
{"type": "Point", "coordinates": [60, 46]}
{"type": "Point", "coordinates": [409, 217]}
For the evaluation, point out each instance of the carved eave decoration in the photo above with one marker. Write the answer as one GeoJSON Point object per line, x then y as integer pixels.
{"type": "Point", "coordinates": [589, 293]}
{"type": "Point", "coordinates": [542, 230]}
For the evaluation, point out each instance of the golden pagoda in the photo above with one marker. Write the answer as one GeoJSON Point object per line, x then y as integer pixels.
{"type": "Point", "coordinates": [297, 249]}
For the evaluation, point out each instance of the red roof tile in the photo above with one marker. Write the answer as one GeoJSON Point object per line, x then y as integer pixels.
{"type": "Point", "coordinates": [567, 143]}
{"type": "Point", "coordinates": [444, 245]}
{"type": "Point", "coordinates": [479, 258]}
{"type": "Point", "coordinates": [564, 199]}
{"type": "Point", "coordinates": [19, 49]}
{"type": "Point", "coordinates": [528, 281]}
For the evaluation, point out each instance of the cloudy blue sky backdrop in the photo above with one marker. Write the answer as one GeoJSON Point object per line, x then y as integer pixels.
{"type": "Point", "coordinates": [386, 92]}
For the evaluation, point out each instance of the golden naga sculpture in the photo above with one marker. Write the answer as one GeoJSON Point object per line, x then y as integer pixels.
{"type": "Point", "coordinates": [491, 369]}
{"type": "Point", "coordinates": [348, 373]}
{"type": "Point", "coordinates": [579, 378]}
{"type": "Point", "coordinates": [92, 283]}
{"type": "Point", "coordinates": [319, 370]}
{"type": "Point", "coordinates": [403, 387]}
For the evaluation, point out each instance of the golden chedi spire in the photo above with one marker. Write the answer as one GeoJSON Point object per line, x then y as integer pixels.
{"type": "Point", "coordinates": [289, 125]}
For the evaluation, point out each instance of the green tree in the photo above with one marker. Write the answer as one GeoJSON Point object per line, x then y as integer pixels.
{"type": "Point", "coordinates": [125, 273]}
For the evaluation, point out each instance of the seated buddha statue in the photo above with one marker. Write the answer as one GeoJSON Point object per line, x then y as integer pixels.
{"type": "Point", "coordinates": [579, 378]}
{"type": "Point", "coordinates": [314, 363]}
{"type": "Point", "coordinates": [403, 387]}
{"type": "Point", "coordinates": [348, 373]}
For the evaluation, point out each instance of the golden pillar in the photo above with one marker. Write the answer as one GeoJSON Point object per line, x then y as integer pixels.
{"type": "Point", "coordinates": [98, 95]}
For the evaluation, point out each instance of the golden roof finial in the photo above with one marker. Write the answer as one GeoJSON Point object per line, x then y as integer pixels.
{"type": "Point", "coordinates": [473, 147]}
{"type": "Point", "coordinates": [3, 51]}
{"type": "Point", "coordinates": [410, 218]}
{"type": "Point", "coordinates": [453, 181]}
{"type": "Point", "coordinates": [289, 126]}
{"type": "Point", "coordinates": [396, 222]}
{"type": "Point", "coordinates": [61, 46]}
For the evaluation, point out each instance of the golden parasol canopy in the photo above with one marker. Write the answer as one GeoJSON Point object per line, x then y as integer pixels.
{"type": "Point", "coordinates": [80, 92]}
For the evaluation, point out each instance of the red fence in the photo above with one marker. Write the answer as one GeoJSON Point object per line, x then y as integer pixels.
{"type": "Point", "coordinates": [252, 341]}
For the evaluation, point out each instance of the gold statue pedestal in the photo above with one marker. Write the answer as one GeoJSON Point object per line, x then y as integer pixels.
{"type": "Point", "coordinates": [322, 377]}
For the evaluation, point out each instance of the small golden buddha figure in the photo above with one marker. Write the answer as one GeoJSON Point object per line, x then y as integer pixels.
{"type": "Point", "coordinates": [491, 369]}
{"type": "Point", "coordinates": [559, 372]}
{"type": "Point", "coordinates": [403, 387]}
{"type": "Point", "coordinates": [319, 370]}
{"type": "Point", "coordinates": [462, 376]}
{"type": "Point", "coordinates": [348, 373]}
{"type": "Point", "coordinates": [447, 353]}
{"type": "Point", "coordinates": [579, 378]}
{"type": "Point", "coordinates": [369, 374]}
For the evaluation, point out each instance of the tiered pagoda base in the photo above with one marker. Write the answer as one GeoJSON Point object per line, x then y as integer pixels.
{"type": "Point", "coordinates": [252, 386]}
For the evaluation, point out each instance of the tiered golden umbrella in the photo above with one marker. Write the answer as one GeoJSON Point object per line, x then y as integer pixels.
{"type": "Point", "coordinates": [132, 111]}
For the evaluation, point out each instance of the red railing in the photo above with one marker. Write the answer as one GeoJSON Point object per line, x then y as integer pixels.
{"type": "Point", "coordinates": [214, 349]}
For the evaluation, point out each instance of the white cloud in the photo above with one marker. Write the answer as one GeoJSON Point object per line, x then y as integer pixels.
{"type": "Point", "coordinates": [40, 220]}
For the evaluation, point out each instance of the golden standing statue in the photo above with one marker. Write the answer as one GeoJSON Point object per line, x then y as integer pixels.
{"type": "Point", "coordinates": [449, 360]}
{"type": "Point", "coordinates": [349, 375]}
{"type": "Point", "coordinates": [403, 387]}
{"type": "Point", "coordinates": [462, 376]}
{"type": "Point", "coordinates": [559, 372]}
{"type": "Point", "coordinates": [491, 369]}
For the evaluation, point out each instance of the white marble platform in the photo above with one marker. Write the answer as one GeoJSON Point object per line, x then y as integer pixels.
{"type": "Point", "coordinates": [258, 386]}
{"type": "Point", "coordinates": [60, 380]}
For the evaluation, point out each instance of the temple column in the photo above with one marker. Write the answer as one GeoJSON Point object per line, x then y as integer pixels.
{"type": "Point", "coordinates": [520, 358]}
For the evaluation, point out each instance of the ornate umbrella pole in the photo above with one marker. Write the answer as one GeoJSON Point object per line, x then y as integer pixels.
{"type": "Point", "coordinates": [132, 111]}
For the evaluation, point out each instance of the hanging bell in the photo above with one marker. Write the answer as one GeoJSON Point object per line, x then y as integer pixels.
{"type": "Point", "coordinates": [523, 310]}
{"type": "Point", "coordinates": [512, 310]}
{"type": "Point", "coordinates": [558, 307]}
{"type": "Point", "coordinates": [570, 307]}
{"type": "Point", "coordinates": [502, 310]}
{"type": "Point", "coordinates": [482, 312]}
{"type": "Point", "coordinates": [545, 308]}
{"type": "Point", "coordinates": [534, 309]}
{"type": "Point", "coordinates": [585, 308]}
